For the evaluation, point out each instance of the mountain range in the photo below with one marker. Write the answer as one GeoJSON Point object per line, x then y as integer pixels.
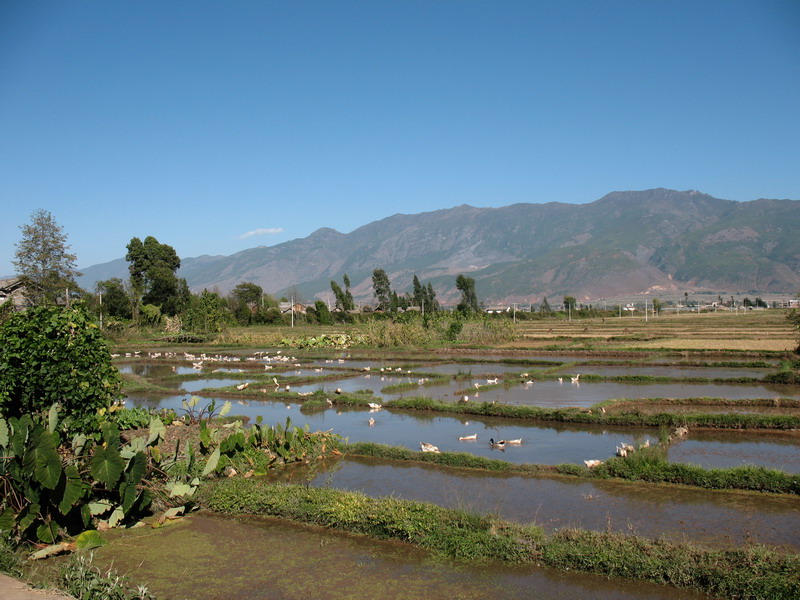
{"type": "Point", "coordinates": [654, 242]}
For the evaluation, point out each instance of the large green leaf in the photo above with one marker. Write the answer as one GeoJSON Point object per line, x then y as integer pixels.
{"type": "Point", "coordinates": [3, 433]}
{"type": "Point", "coordinates": [41, 460]}
{"type": "Point", "coordinates": [89, 539]}
{"type": "Point", "coordinates": [72, 489]}
{"type": "Point", "coordinates": [78, 443]}
{"type": "Point", "coordinates": [116, 516]}
{"type": "Point", "coordinates": [6, 520]}
{"type": "Point", "coordinates": [137, 467]}
{"type": "Point", "coordinates": [100, 507]}
{"type": "Point", "coordinates": [226, 408]}
{"type": "Point", "coordinates": [52, 418]}
{"type": "Point", "coordinates": [47, 532]}
{"type": "Point", "coordinates": [212, 462]}
{"type": "Point", "coordinates": [110, 434]}
{"type": "Point", "coordinates": [180, 489]}
{"type": "Point", "coordinates": [157, 430]}
{"type": "Point", "coordinates": [107, 466]}
{"type": "Point", "coordinates": [27, 516]}
{"type": "Point", "coordinates": [21, 428]}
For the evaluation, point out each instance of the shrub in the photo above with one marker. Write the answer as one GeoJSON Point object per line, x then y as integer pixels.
{"type": "Point", "coordinates": [56, 355]}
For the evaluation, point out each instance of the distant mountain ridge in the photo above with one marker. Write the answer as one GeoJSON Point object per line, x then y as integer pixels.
{"type": "Point", "coordinates": [652, 242]}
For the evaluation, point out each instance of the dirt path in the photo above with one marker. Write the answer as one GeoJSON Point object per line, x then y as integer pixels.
{"type": "Point", "coordinates": [13, 589]}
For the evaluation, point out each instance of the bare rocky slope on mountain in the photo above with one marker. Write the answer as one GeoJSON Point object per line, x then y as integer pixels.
{"type": "Point", "coordinates": [655, 242]}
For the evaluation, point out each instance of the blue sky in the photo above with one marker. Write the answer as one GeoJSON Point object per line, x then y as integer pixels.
{"type": "Point", "coordinates": [219, 126]}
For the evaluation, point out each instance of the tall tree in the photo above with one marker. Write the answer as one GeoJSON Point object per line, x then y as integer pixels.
{"type": "Point", "coordinates": [418, 293]}
{"type": "Point", "coordinates": [570, 303]}
{"type": "Point", "coordinates": [43, 262]}
{"type": "Point", "coordinates": [469, 298]}
{"type": "Point", "coordinates": [348, 295]}
{"type": "Point", "coordinates": [247, 293]}
{"type": "Point", "coordinates": [382, 289]}
{"type": "Point", "coordinates": [431, 305]}
{"type": "Point", "coordinates": [153, 280]}
{"type": "Point", "coordinates": [544, 308]}
{"type": "Point", "coordinates": [341, 299]}
{"type": "Point", "coordinates": [323, 314]}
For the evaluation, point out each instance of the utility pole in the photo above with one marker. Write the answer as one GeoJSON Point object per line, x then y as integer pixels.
{"type": "Point", "coordinates": [292, 309]}
{"type": "Point", "coordinates": [101, 311]}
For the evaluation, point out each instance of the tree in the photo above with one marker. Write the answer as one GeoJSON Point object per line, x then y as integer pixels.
{"type": "Point", "coordinates": [348, 295]}
{"type": "Point", "coordinates": [544, 308]}
{"type": "Point", "coordinates": [570, 302]}
{"type": "Point", "coordinates": [115, 300]}
{"type": "Point", "coordinates": [323, 314]}
{"type": "Point", "coordinates": [657, 306]}
{"type": "Point", "coordinates": [248, 294]}
{"type": "Point", "coordinates": [431, 305]}
{"type": "Point", "coordinates": [43, 263]}
{"type": "Point", "coordinates": [419, 293]}
{"type": "Point", "coordinates": [382, 289]}
{"type": "Point", "coordinates": [341, 299]}
{"type": "Point", "coordinates": [469, 299]}
{"type": "Point", "coordinates": [207, 312]}
{"type": "Point", "coordinates": [153, 280]}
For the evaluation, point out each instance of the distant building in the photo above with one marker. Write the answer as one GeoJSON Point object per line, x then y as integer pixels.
{"type": "Point", "coordinates": [286, 307]}
{"type": "Point", "coordinates": [497, 309]}
{"type": "Point", "coordinates": [11, 290]}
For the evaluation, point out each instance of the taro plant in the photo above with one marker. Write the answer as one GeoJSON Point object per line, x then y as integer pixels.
{"type": "Point", "coordinates": [293, 444]}
{"type": "Point", "coordinates": [196, 413]}
{"type": "Point", "coordinates": [50, 489]}
{"type": "Point", "coordinates": [262, 447]}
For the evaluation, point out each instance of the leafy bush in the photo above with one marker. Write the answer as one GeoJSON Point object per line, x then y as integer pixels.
{"type": "Point", "coordinates": [56, 355]}
{"type": "Point", "coordinates": [132, 418]}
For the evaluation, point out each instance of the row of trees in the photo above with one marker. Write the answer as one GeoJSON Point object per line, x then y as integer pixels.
{"type": "Point", "coordinates": [153, 291]}
{"type": "Point", "coordinates": [388, 300]}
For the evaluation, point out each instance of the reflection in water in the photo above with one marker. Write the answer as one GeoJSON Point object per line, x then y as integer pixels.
{"type": "Point", "coordinates": [542, 443]}
{"type": "Point", "coordinates": [553, 394]}
{"type": "Point", "coordinates": [713, 518]}
{"type": "Point", "coordinates": [260, 558]}
{"type": "Point", "coordinates": [720, 449]}
{"type": "Point", "coordinates": [552, 443]}
{"type": "Point", "coordinates": [672, 371]}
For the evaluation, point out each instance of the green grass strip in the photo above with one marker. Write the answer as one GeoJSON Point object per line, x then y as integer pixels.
{"type": "Point", "coordinates": [578, 415]}
{"type": "Point", "coordinates": [751, 573]}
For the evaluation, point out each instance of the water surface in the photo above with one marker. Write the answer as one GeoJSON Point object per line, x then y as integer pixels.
{"type": "Point", "coordinates": [212, 557]}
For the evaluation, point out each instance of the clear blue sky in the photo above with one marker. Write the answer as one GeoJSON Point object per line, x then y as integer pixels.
{"type": "Point", "coordinates": [200, 122]}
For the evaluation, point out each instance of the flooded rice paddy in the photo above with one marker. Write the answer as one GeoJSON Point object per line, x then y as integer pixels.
{"type": "Point", "coordinates": [684, 514]}
{"type": "Point", "coordinates": [548, 444]}
{"type": "Point", "coordinates": [212, 557]}
{"type": "Point", "coordinates": [332, 564]}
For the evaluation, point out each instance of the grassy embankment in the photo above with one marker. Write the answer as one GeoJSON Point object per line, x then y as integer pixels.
{"type": "Point", "coordinates": [755, 572]}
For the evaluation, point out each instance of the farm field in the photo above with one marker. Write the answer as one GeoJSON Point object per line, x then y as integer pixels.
{"type": "Point", "coordinates": [641, 383]}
